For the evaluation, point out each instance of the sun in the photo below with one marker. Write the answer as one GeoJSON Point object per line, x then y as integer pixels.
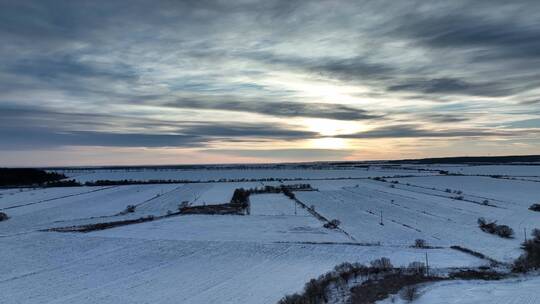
{"type": "Point", "coordinates": [329, 143]}
{"type": "Point", "coordinates": [329, 127]}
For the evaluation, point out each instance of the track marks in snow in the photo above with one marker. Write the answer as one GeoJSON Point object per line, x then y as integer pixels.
{"type": "Point", "coordinates": [57, 198]}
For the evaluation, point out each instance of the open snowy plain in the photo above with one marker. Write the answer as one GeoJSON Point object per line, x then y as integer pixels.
{"type": "Point", "coordinates": [272, 251]}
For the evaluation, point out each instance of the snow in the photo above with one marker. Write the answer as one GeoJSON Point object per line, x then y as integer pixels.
{"type": "Point", "coordinates": [409, 215]}
{"type": "Point", "coordinates": [221, 193]}
{"type": "Point", "coordinates": [509, 170]}
{"type": "Point", "coordinates": [71, 268]}
{"type": "Point", "coordinates": [230, 228]}
{"type": "Point", "coordinates": [275, 204]}
{"type": "Point", "coordinates": [90, 202]}
{"type": "Point", "coordinates": [13, 198]}
{"type": "Point", "coordinates": [260, 257]}
{"type": "Point", "coordinates": [512, 291]}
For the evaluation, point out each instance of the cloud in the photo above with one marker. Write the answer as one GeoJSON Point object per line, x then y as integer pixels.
{"type": "Point", "coordinates": [415, 131]}
{"type": "Point", "coordinates": [445, 117]}
{"type": "Point", "coordinates": [453, 86]}
{"type": "Point", "coordinates": [498, 37]}
{"type": "Point", "coordinates": [245, 130]}
{"type": "Point", "coordinates": [68, 67]}
{"type": "Point", "coordinates": [32, 128]}
{"type": "Point", "coordinates": [303, 154]}
{"type": "Point", "coordinates": [279, 108]}
{"type": "Point", "coordinates": [527, 123]}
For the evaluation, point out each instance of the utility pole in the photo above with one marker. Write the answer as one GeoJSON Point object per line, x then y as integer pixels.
{"type": "Point", "coordinates": [525, 234]}
{"type": "Point", "coordinates": [294, 202]}
{"type": "Point", "coordinates": [427, 265]}
{"type": "Point", "coordinates": [381, 222]}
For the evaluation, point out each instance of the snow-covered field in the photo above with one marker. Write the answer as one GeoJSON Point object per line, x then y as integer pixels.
{"type": "Point", "coordinates": [231, 174]}
{"type": "Point", "coordinates": [506, 170]}
{"type": "Point", "coordinates": [260, 257]}
{"type": "Point", "coordinates": [518, 291]}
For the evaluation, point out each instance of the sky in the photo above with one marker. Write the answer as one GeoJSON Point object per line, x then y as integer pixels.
{"type": "Point", "coordinates": [178, 82]}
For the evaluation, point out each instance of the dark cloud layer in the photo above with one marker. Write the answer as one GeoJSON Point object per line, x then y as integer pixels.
{"type": "Point", "coordinates": [44, 128]}
{"type": "Point", "coordinates": [452, 86]}
{"type": "Point", "coordinates": [500, 37]}
{"type": "Point", "coordinates": [280, 108]}
{"type": "Point", "coordinates": [415, 131]}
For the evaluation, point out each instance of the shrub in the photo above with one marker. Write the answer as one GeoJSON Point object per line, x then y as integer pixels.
{"type": "Point", "coordinates": [472, 274]}
{"type": "Point", "coordinates": [409, 293]}
{"type": "Point", "coordinates": [240, 197]}
{"type": "Point", "coordinates": [292, 299]}
{"type": "Point", "coordinates": [535, 207]}
{"type": "Point", "coordinates": [420, 243]}
{"type": "Point", "coordinates": [183, 205]}
{"type": "Point", "coordinates": [485, 202]}
{"type": "Point", "coordinates": [333, 224]}
{"type": "Point", "coordinates": [417, 268]}
{"type": "Point", "coordinates": [130, 209]}
{"type": "Point", "coordinates": [3, 216]}
{"type": "Point", "coordinates": [382, 264]}
{"type": "Point", "coordinates": [503, 231]}
{"type": "Point", "coordinates": [531, 258]}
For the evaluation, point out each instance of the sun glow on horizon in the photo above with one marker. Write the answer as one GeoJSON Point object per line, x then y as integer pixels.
{"type": "Point", "coordinates": [329, 127]}
{"type": "Point", "coordinates": [331, 143]}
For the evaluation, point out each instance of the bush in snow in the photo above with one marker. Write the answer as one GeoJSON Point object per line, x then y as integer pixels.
{"type": "Point", "coordinates": [3, 216]}
{"type": "Point", "coordinates": [409, 293]}
{"type": "Point", "coordinates": [420, 243]}
{"type": "Point", "coordinates": [382, 264]}
{"type": "Point", "coordinates": [130, 209]}
{"type": "Point", "coordinates": [418, 268]}
{"type": "Point", "coordinates": [535, 207]}
{"type": "Point", "coordinates": [333, 224]}
{"type": "Point", "coordinates": [531, 258]}
{"type": "Point", "coordinates": [491, 227]}
{"type": "Point", "coordinates": [183, 205]}
{"type": "Point", "coordinates": [504, 231]}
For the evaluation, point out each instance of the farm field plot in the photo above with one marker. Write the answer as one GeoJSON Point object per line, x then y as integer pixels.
{"type": "Point", "coordinates": [230, 228]}
{"type": "Point", "coordinates": [522, 291]}
{"type": "Point", "coordinates": [409, 215]}
{"type": "Point", "coordinates": [508, 192]}
{"type": "Point", "coordinates": [506, 170]}
{"type": "Point", "coordinates": [99, 202]}
{"type": "Point", "coordinates": [275, 204]}
{"type": "Point", "coordinates": [272, 219]}
{"type": "Point", "coordinates": [13, 198]}
{"type": "Point", "coordinates": [71, 268]}
{"type": "Point", "coordinates": [220, 193]}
